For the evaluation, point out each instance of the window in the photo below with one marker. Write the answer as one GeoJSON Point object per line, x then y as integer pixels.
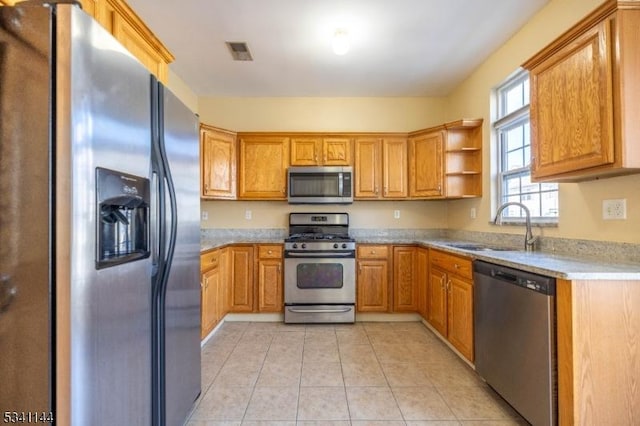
{"type": "Point", "coordinates": [514, 156]}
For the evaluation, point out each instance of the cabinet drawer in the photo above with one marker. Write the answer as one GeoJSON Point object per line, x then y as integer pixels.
{"type": "Point", "coordinates": [209, 260]}
{"type": "Point", "coordinates": [458, 265]}
{"type": "Point", "coordinates": [372, 251]}
{"type": "Point", "coordinates": [270, 251]}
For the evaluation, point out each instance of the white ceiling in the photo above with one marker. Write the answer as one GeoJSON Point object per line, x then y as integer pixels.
{"type": "Point", "coordinates": [398, 47]}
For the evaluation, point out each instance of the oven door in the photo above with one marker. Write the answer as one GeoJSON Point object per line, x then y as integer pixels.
{"type": "Point", "coordinates": [313, 280]}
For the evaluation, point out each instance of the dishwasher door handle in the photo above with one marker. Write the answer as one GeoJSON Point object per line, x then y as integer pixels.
{"type": "Point", "coordinates": [508, 277]}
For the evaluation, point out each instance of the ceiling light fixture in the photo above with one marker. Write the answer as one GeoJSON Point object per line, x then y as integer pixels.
{"type": "Point", "coordinates": [340, 41]}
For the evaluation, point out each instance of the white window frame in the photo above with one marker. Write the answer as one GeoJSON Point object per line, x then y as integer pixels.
{"type": "Point", "coordinates": [503, 122]}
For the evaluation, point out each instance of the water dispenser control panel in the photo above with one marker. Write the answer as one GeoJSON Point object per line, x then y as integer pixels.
{"type": "Point", "coordinates": [122, 218]}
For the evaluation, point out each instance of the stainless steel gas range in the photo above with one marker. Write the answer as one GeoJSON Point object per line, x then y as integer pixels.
{"type": "Point", "coordinates": [319, 269]}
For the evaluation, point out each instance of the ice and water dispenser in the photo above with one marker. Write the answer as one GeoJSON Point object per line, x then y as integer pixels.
{"type": "Point", "coordinates": [123, 217]}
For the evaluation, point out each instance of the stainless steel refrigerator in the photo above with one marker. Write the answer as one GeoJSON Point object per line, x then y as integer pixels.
{"type": "Point", "coordinates": [99, 229]}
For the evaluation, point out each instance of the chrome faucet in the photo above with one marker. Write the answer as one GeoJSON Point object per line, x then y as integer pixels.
{"type": "Point", "coordinates": [529, 239]}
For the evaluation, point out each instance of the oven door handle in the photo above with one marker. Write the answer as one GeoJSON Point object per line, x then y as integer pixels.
{"type": "Point", "coordinates": [325, 254]}
{"type": "Point", "coordinates": [319, 311]}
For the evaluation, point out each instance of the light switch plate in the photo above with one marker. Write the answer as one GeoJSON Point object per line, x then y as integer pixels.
{"type": "Point", "coordinates": [247, 214]}
{"type": "Point", "coordinates": [204, 215]}
{"type": "Point", "coordinates": [614, 209]}
{"type": "Point", "coordinates": [396, 214]}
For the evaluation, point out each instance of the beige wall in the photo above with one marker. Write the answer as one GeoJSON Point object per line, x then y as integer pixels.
{"type": "Point", "coordinates": [182, 91]}
{"type": "Point", "coordinates": [362, 214]}
{"type": "Point", "coordinates": [581, 203]}
{"type": "Point", "coordinates": [322, 114]}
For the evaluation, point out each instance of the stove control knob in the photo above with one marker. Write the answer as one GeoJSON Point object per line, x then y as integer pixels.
{"type": "Point", "coordinates": [344, 245]}
{"type": "Point", "coordinates": [295, 245]}
{"type": "Point", "coordinates": [304, 245]}
{"type": "Point", "coordinates": [335, 246]}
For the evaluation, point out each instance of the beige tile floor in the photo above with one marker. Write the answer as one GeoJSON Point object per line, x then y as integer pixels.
{"type": "Point", "coordinates": [396, 373]}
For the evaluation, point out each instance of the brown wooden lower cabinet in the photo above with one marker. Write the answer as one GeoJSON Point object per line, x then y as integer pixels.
{"type": "Point", "coordinates": [437, 300]}
{"type": "Point", "coordinates": [405, 288]}
{"type": "Point", "coordinates": [270, 279]}
{"type": "Point", "coordinates": [213, 284]}
{"type": "Point", "coordinates": [241, 278]}
{"type": "Point", "coordinates": [450, 302]}
{"type": "Point", "coordinates": [234, 279]}
{"type": "Point", "coordinates": [422, 280]}
{"type": "Point", "coordinates": [372, 286]}
{"type": "Point", "coordinates": [598, 334]}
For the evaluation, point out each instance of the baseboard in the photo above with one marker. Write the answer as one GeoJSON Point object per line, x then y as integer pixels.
{"type": "Point", "coordinates": [446, 342]}
{"type": "Point", "coordinates": [387, 317]}
{"type": "Point", "coordinates": [253, 317]}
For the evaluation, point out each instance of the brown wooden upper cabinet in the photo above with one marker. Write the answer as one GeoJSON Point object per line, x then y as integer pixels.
{"type": "Point", "coordinates": [320, 151]}
{"type": "Point", "coordinates": [217, 163]}
{"type": "Point", "coordinates": [426, 179]}
{"type": "Point", "coordinates": [263, 167]}
{"type": "Point", "coordinates": [125, 25]}
{"type": "Point", "coordinates": [446, 161]}
{"type": "Point", "coordinates": [381, 168]}
{"type": "Point", "coordinates": [584, 98]}
{"type": "Point", "coordinates": [463, 159]}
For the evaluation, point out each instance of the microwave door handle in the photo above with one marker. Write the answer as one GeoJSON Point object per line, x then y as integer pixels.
{"type": "Point", "coordinates": [340, 184]}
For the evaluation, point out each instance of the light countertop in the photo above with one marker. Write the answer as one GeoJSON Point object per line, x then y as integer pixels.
{"type": "Point", "coordinates": [561, 266]}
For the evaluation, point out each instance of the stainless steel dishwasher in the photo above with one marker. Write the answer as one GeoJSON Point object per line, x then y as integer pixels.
{"type": "Point", "coordinates": [515, 339]}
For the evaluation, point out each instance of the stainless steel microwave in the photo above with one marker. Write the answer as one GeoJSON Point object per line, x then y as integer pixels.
{"type": "Point", "coordinates": [320, 185]}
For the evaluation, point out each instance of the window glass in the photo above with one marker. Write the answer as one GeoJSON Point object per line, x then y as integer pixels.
{"type": "Point", "coordinates": [514, 137]}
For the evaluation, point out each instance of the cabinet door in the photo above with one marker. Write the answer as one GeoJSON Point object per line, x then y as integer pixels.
{"type": "Point", "coordinates": [425, 165]}
{"type": "Point", "coordinates": [121, 21]}
{"type": "Point", "coordinates": [373, 286]}
{"type": "Point", "coordinates": [422, 280]}
{"type": "Point", "coordinates": [394, 168]}
{"type": "Point", "coordinates": [270, 285]}
{"type": "Point", "coordinates": [336, 151]}
{"type": "Point", "coordinates": [437, 306]}
{"type": "Point", "coordinates": [263, 167]}
{"type": "Point", "coordinates": [224, 293]}
{"type": "Point", "coordinates": [217, 163]}
{"type": "Point", "coordinates": [210, 285]}
{"type": "Point", "coordinates": [241, 279]}
{"type": "Point", "coordinates": [571, 106]}
{"type": "Point", "coordinates": [405, 289]}
{"type": "Point", "coordinates": [367, 168]}
{"type": "Point", "coordinates": [89, 6]}
{"type": "Point", "coordinates": [305, 151]}
{"type": "Point", "coordinates": [460, 310]}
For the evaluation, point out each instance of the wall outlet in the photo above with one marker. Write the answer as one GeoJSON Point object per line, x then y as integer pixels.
{"type": "Point", "coordinates": [247, 214]}
{"type": "Point", "coordinates": [396, 214]}
{"type": "Point", "coordinates": [204, 216]}
{"type": "Point", "coordinates": [614, 209]}
{"type": "Point", "coordinates": [472, 213]}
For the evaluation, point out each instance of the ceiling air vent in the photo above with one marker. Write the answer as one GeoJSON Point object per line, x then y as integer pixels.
{"type": "Point", "coordinates": [239, 51]}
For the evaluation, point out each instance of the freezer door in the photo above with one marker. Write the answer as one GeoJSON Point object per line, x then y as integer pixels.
{"type": "Point", "coordinates": [25, 244]}
{"type": "Point", "coordinates": [104, 316]}
{"type": "Point", "coordinates": [182, 308]}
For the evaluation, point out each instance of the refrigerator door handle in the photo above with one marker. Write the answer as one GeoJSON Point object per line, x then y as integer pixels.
{"type": "Point", "coordinates": [154, 223]}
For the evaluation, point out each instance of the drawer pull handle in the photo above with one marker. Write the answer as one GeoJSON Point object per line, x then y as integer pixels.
{"type": "Point", "coordinates": [270, 252]}
{"type": "Point", "coordinates": [214, 259]}
{"type": "Point", "coordinates": [455, 265]}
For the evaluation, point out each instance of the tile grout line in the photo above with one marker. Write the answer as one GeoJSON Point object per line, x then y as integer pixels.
{"type": "Point", "coordinates": [386, 379]}
{"type": "Point", "coordinates": [344, 382]}
{"type": "Point", "coordinates": [253, 389]}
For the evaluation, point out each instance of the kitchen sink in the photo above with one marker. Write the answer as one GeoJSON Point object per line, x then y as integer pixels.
{"type": "Point", "coordinates": [476, 247]}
